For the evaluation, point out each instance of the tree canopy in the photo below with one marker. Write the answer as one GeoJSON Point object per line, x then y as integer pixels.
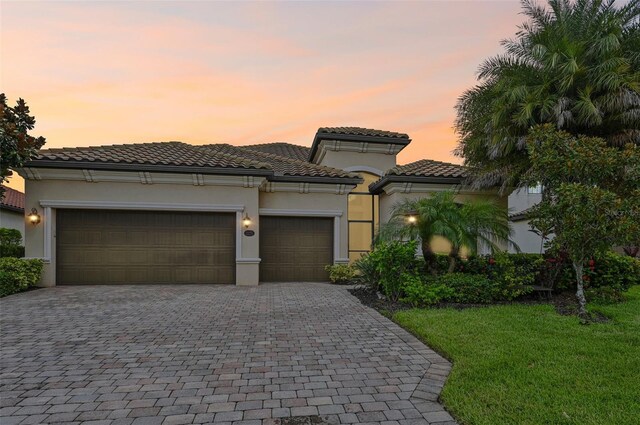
{"type": "Point", "coordinates": [572, 64]}
{"type": "Point", "coordinates": [592, 195]}
{"type": "Point", "coordinates": [16, 145]}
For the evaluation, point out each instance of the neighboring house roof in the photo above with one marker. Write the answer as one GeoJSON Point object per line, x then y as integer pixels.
{"type": "Point", "coordinates": [423, 171]}
{"type": "Point", "coordinates": [12, 200]}
{"type": "Point", "coordinates": [357, 134]}
{"type": "Point", "coordinates": [182, 157]}
{"type": "Point", "coordinates": [287, 150]}
{"type": "Point", "coordinates": [521, 215]}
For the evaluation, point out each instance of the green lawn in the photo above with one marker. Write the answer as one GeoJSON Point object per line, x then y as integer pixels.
{"type": "Point", "coordinates": [522, 364]}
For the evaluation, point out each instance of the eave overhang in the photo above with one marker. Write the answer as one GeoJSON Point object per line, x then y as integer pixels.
{"type": "Point", "coordinates": [322, 136]}
{"type": "Point", "coordinates": [377, 187]}
{"type": "Point", "coordinates": [181, 169]}
{"type": "Point", "coordinates": [111, 166]}
{"type": "Point", "coordinates": [11, 208]}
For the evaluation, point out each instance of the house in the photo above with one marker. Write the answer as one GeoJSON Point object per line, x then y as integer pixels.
{"type": "Point", "coordinates": [179, 213]}
{"type": "Point", "coordinates": [12, 209]}
{"type": "Point", "coordinates": [520, 201]}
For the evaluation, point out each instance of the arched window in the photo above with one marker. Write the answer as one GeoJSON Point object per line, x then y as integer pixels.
{"type": "Point", "coordinates": [363, 216]}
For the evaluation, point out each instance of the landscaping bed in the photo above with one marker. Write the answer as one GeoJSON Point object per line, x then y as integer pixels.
{"type": "Point", "coordinates": [564, 302]}
{"type": "Point", "coordinates": [391, 279]}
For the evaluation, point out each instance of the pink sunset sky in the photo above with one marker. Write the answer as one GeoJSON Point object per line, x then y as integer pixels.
{"type": "Point", "coordinates": [241, 72]}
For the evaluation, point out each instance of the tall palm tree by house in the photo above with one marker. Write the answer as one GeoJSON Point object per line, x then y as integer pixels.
{"type": "Point", "coordinates": [463, 225]}
{"type": "Point", "coordinates": [574, 64]}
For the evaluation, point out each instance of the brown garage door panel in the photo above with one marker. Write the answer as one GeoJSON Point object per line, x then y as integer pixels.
{"type": "Point", "coordinates": [96, 246]}
{"type": "Point", "coordinates": [295, 249]}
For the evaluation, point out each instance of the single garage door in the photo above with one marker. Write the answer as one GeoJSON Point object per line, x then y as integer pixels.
{"type": "Point", "coordinates": [102, 246]}
{"type": "Point", "coordinates": [295, 249]}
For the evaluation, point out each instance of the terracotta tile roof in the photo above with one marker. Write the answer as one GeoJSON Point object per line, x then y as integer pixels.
{"type": "Point", "coordinates": [162, 154]}
{"type": "Point", "coordinates": [282, 166]}
{"type": "Point", "coordinates": [359, 131]}
{"type": "Point", "coordinates": [423, 171]}
{"type": "Point", "coordinates": [179, 157]}
{"type": "Point", "coordinates": [286, 150]}
{"type": "Point", "coordinates": [357, 134]}
{"type": "Point", "coordinates": [428, 168]}
{"type": "Point", "coordinates": [12, 199]}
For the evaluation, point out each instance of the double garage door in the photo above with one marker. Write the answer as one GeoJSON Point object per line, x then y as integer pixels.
{"type": "Point", "coordinates": [105, 246]}
{"type": "Point", "coordinates": [111, 247]}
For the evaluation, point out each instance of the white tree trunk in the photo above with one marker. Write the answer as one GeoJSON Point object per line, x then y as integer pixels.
{"type": "Point", "coordinates": [582, 300]}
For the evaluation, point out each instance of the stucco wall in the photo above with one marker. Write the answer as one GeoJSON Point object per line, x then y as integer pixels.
{"type": "Point", "coordinates": [387, 201]}
{"type": "Point", "coordinates": [323, 202]}
{"type": "Point", "coordinates": [379, 162]}
{"type": "Point", "coordinates": [520, 200]}
{"type": "Point", "coordinates": [440, 245]}
{"type": "Point", "coordinates": [12, 220]}
{"type": "Point", "coordinates": [528, 241]}
{"type": "Point", "coordinates": [137, 193]}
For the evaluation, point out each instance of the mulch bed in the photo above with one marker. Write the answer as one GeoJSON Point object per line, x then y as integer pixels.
{"type": "Point", "coordinates": [564, 302]}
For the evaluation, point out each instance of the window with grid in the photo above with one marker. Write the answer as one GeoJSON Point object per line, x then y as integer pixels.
{"type": "Point", "coordinates": [363, 217]}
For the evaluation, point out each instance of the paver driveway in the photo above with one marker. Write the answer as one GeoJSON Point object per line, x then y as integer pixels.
{"type": "Point", "coordinates": [200, 354]}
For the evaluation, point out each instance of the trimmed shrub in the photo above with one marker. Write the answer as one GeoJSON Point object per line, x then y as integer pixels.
{"type": "Point", "coordinates": [419, 293]}
{"type": "Point", "coordinates": [468, 288]}
{"type": "Point", "coordinates": [442, 263]}
{"type": "Point", "coordinates": [391, 262]}
{"type": "Point", "coordinates": [609, 275]}
{"type": "Point", "coordinates": [513, 275]}
{"type": "Point", "coordinates": [606, 277]}
{"type": "Point", "coordinates": [17, 275]}
{"type": "Point", "coordinates": [10, 243]}
{"type": "Point", "coordinates": [341, 274]}
{"type": "Point", "coordinates": [366, 272]}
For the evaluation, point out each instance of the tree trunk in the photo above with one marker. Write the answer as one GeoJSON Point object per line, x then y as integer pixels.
{"type": "Point", "coordinates": [454, 254]}
{"type": "Point", "coordinates": [582, 301]}
{"type": "Point", "coordinates": [430, 260]}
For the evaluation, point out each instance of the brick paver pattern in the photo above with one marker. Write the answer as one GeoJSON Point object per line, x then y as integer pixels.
{"type": "Point", "coordinates": [210, 354]}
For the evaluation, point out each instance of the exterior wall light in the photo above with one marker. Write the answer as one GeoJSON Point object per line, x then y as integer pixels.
{"type": "Point", "coordinates": [246, 221]}
{"type": "Point", "coordinates": [34, 217]}
{"type": "Point", "coordinates": [412, 218]}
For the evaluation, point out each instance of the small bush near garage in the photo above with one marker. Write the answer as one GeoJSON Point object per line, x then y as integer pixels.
{"type": "Point", "coordinates": [17, 274]}
{"type": "Point", "coordinates": [366, 272]}
{"type": "Point", "coordinates": [341, 274]}
{"type": "Point", "coordinates": [390, 263]}
{"type": "Point", "coordinates": [11, 243]}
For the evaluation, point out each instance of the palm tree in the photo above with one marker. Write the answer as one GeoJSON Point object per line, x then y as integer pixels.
{"type": "Point", "coordinates": [463, 225]}
{"type": "Point", "coordinates": [422, 219]}
{"type": "Point", "coordinates": [574, 64]}
{"type": "Point", "coordinates": [479, 222]}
